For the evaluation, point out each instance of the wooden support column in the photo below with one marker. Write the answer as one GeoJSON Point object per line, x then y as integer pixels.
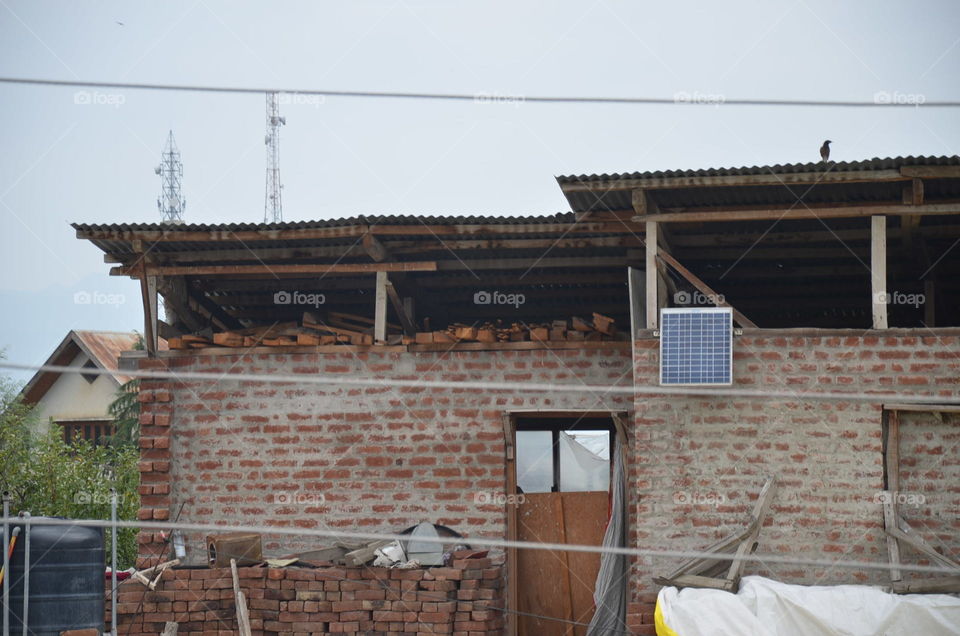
{"type": "Point", "coordinates": [929, 304]}
{"type": "Point", "coordinates": [510, 474]}
{"type": "Point", "coordinates": [148, 291]}
{"type": "Point", "coordinates": [891, 485]}
{"type": "Point", "coordinates": [878, 270]}
{"type": "Point", "coordinates": [380, 310]}
{"type": "Point", "coordinates": [651, 284]}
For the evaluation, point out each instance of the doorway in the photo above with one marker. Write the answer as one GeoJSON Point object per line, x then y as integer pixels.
{"type": "Point", "coordinates": [561, 479]}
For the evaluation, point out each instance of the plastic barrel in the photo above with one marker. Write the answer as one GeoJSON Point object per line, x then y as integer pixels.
{"type": "Point", "coordinates": [66, 579]}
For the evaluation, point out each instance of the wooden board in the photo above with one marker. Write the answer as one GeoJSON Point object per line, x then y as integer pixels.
{"type": "Point", "coordinates": [559, 584]}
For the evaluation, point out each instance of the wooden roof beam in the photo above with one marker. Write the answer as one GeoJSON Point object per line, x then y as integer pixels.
{"type": "Point", "coordinates": [801, 212]}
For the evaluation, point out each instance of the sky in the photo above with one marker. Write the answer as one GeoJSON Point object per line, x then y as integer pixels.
{"type": "Point", "coordinates": [75, 155]}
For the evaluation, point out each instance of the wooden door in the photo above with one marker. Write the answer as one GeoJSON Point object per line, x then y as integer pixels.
{"type": "Point", "coordinates": [558, 584]}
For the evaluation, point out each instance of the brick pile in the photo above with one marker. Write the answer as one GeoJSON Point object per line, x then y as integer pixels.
{"type": "Point", "coordinates": [465, 599]}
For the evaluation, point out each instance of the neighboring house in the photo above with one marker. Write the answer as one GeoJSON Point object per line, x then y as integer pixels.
{"type": "Point", "coordinates": [847, 355]}
{"type": "Point", "coordinates": [78, 403]}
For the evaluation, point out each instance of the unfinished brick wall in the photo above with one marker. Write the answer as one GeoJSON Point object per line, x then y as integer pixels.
{"type": "Point", "coordinates": [463, 599]}
{"type": "Point", "coordinates": [376, 459]}
{"type": "Point", "coordinates": [699, 462]}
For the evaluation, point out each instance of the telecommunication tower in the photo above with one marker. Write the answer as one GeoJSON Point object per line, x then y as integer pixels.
{"type": "Point", "coordinates": [273, 202]}
{"type": "Point", "coordinates": [170, 202]}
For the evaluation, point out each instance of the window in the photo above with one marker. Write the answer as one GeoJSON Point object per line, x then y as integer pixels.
{"type": "Point", "coordinates": [90, 377]}
{"type": "Point", "coordinates": [95, 431]}
{"type": "Point", "coordinates": [563, 455]}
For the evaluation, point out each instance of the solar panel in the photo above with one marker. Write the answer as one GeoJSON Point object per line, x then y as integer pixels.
{"type": "Point", "coordinates": [696, 345]}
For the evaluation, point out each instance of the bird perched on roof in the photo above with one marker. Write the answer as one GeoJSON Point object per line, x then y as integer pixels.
{"type": "Point", "coordinates": [825, 150]}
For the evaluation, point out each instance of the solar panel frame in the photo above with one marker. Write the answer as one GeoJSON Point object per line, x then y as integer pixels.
{"type": "Point", "coordinates": [685, 333]}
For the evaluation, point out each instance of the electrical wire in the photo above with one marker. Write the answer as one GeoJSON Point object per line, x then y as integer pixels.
{"type": "Point", "coordinates": [526, 387]}
{"type": "Point", "coordinates": [682, 98]}
{"type": "Point", "coordinates": [484, 541]}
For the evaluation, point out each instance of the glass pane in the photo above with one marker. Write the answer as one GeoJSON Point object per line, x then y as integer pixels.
{"type": "Point", "coordinates": [535, 461]}
{"type": "Point", "coordinates": [584, 461]}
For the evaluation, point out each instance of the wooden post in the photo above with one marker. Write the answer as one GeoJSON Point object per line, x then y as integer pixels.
{"type": "Point", "coordinates": [509, 439]}
{"type": "Point", "coordinates": [380, 311]}
{"type": "Point", "coordinates": [878, 270]}
{"type": "Point", "coordinates": [929, 304]}
{"type": "Point", "coordinates": [891, 483]}
{"type": "Point", "coordinates": [652, 283]}
{"type": "Point", "coordinates": [148, 290]}
{"type": "Point", "coordinates": [635, 286]}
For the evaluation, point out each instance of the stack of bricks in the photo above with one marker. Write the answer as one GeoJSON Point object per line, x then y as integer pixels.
{"type": "Point", "coordinates": [465, 599]}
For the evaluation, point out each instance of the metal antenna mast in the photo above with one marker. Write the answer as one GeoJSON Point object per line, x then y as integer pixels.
{"type": "Point", "coordinates": [170, 202]}
{"type": "Point", "coordinates": [273, 203]}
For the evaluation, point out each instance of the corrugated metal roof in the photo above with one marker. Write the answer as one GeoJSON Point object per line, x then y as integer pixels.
{"type": "Point", "coordinates": [787, 168]}
{"type": "Point", "coordinates": [385, 219]}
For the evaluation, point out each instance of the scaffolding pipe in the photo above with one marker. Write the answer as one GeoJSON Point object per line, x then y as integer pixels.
{"type": "Point", "coordinates": [6, 563]}
{"type": "Point", "coordinates": [26, 573]}
{"type": "Point", "coordinates": [113, 562]}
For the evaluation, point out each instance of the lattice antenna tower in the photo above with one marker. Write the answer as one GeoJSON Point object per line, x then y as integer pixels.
{"type": "Point", "coordinates": [273, 200]}
{"type": "Point", "coordinates": [170, 202]}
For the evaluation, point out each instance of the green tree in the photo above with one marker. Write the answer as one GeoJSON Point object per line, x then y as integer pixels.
{"type": "Point", "coordinates": [47, 477]}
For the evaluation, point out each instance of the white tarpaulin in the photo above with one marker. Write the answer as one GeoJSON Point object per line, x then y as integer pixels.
{"type": "Point", "coordinates": [764, 607]}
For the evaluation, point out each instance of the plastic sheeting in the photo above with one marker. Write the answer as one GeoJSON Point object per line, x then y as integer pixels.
{"type": "Point", "coordinates": [581, 470]}
{"type": "Point", "coordinates": [610, 592]}
{"type": "Point", "coordinates": [764, 607]}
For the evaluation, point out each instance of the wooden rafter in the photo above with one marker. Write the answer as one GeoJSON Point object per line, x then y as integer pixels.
{"type": "Point", "coordinates": [705, 289]}
{"type": "Point", "coordinates": [787, 213]}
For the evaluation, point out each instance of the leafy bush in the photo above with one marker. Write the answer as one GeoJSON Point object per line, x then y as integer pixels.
{"type": "Point", "coordinates": [47, 477]}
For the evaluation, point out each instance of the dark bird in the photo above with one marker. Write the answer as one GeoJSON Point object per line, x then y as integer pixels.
{"type": "Point", "coordinates": [119, 22]}
{"type": "Point", "coordinates": [825, 150]}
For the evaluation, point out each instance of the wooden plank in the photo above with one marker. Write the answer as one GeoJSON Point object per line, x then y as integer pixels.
{"type": "Point", "coordinates": [760, 510]}
{"type": "Point", "coordinates": [924, 408]}
{"type": "Point", "coordinates": [585, 521]}
{"type": "Point", "coordinates": [276, 270]}
{"type": "Point", "coordinates": [947, 585]}
{"type": "Point", "coordinates": [400, 308]}
{"type": "Point", "coordinates": [148, 293]}
{"type": "Point", "coordinates": [931, 172]}
{"type": "Point", "coordinates": [893, 545]}
{"type": "Point", "coordinates": [929, 304]}
{"type": "Point", "coordinates": [912, 537]}
{"type": "Point", "coordinates": [650, 284]}
{"type": "Point", "coordinates": [878, 270]}
{"type": "Point", "coordinates": [705, 289]}
{"type": "Point", "coordinates": [374, 248]}
{"type": "Point", "coordinates": [565, 556]}
{"type": "Point", "coordinates": [380, 310]}
{"type": "Point", "coordinates": [697, 565]}
{"type": "Point", "coordinates": [243, 619]}
{"type": "Point", "coordinates": [788, 214]}
{"type": "Point", "coordinates": [637, 292]}
{"type": "Point", "coordinates": [510, 476]}
{"type": "Point", "coordinates": [693, 580]}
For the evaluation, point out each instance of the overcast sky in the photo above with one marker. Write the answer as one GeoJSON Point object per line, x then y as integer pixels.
{"type": "Point", "coordinates": [67, 160]}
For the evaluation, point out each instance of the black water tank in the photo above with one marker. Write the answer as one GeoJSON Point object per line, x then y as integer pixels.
{"type": "Point", "coordinates": [66, 579]}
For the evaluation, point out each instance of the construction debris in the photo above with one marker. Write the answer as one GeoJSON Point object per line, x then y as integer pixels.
{"type": "Point", "coordinates": [343, 328]}
{"type": "Point", "coordinates": [159, 569]}
{"type": "Point", "coordinates": [245, 547]}
{"type": "Point", "coordinates": [724, 573]}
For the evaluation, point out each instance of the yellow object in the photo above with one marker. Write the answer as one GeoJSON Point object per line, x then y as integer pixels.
{"type": "Point", "coordinates": [661, 625]}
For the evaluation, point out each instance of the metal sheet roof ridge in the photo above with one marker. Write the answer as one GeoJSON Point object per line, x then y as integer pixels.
{"type": "Point", "coordinates": [865, 164]}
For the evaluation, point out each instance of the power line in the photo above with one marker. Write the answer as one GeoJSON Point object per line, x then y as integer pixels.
{"type": "Point", "coordinates": [481, 541]}
{"type": "Point", "coordinates": [525, 387]}
{"type": "Point", "coordinates": [881, 99]}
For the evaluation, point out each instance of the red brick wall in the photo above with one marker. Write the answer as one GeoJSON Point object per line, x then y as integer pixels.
{"type": "Point", "coordinates": [375, 459]}
{"type": "Point", "coordinates": [464, 598]}
{"type": "Point", "coordinates": [699, 462]}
